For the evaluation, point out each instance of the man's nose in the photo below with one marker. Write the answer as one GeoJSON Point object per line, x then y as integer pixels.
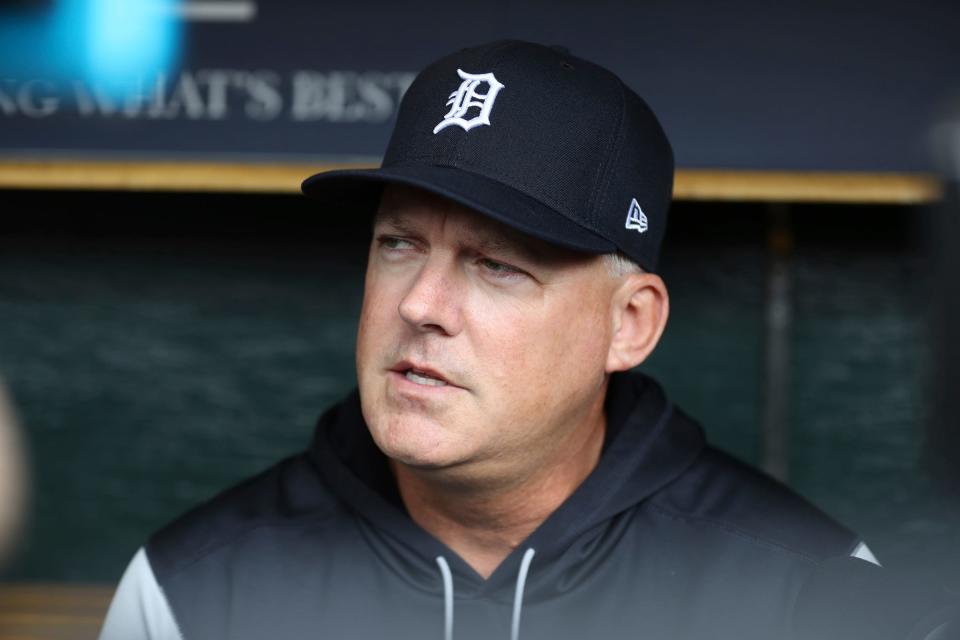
{"type": "Point", "coordinates": [433, 301]}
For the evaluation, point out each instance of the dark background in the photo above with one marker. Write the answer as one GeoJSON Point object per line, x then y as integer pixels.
{"type": "Point", "coordinates": [813, 85]}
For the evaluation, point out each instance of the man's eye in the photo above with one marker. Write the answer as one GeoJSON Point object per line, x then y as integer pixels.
{"type": "Point", "coordinates": [393, 243]}
{"type": "Point", "coordinates": [499, 269]}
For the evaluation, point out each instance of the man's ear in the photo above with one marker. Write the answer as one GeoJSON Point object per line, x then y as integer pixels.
{"type": "Point", "coordinates": [639, 314]}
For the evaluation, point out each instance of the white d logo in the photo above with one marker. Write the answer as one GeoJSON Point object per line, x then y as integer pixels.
{"type": "Point", "coordinates": [467, 97]}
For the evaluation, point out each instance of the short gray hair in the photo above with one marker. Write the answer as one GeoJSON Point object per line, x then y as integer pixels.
{"type": "Point", "coordinates": [619, 265]}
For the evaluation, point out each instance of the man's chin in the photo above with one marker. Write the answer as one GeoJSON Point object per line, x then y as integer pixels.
{"type": "Point", "coordinates": [416, 443]}
{"type": "Point", "coordinates": [419, 463]}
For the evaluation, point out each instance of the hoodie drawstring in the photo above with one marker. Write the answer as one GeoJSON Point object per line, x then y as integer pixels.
{"type": "Point", "coordinates": [517, 595]}
{"type": "Point", "coordinates": [447, 598]}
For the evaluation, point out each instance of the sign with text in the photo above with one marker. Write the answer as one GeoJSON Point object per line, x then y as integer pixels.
{"type": "Point", "coordinates": [297, 80]}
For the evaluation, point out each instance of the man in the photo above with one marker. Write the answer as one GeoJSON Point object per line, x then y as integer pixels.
{"type": "Point", "coordinates": [498, 473]}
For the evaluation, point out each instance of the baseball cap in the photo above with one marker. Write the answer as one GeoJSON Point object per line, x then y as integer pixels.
{"type": "Point", "coordinates": [547, 143]}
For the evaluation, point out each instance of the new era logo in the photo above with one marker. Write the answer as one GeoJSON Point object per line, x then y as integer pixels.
{"type": "Point", "coordinates": [636, 218]}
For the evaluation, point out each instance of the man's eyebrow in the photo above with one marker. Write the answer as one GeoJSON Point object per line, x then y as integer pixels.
{"type": "Point", "coordinates": [393, 220]}
{"type": "Point", "coordinates": [484, 241]}
{"type": "Point", "coordinates": [493, 242]}
{"type": "Point", "coordinates": [511, 245]}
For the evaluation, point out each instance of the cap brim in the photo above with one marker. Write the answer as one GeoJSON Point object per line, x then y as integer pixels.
{"type": "Point", "coordinates": [357, 191]}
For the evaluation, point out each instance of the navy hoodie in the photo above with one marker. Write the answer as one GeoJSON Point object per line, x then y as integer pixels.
{"type": "Point", "coordinates": [666, 538]}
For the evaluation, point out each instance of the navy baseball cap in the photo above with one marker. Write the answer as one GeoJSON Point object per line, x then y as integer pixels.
{"type": "Point", "coordinates": [531, 136]}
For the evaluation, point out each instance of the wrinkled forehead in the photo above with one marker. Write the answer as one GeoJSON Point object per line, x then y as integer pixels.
{"type": "Point", "coordinates": [416, 210]}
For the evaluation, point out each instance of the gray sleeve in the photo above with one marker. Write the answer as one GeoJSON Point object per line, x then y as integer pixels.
{"type": "Point", "coordinates": [139, 610]}
{"type": "Point", "coordinates": [863, 552]}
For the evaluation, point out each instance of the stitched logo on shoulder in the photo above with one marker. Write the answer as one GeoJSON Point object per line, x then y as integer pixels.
{"type": "Point", "coordinates": [467, 97]}
{"type": "Point", "coordinates": [636, 218]}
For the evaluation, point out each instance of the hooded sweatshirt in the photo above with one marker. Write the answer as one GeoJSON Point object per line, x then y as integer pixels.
{"type": "Point", "coordinates": [666, 538]}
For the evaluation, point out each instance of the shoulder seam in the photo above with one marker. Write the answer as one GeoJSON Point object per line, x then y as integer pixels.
{"type": "Point", "coordinates": [163, 595]}
{"type": "Point", "coordinates": [213, 547]}
{"type": "Point", "coordinates": [737, 531]}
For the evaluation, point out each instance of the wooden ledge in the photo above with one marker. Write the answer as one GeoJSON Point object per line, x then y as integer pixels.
{"type": "Point", "coordinates": [812, 187]}
{"type": "Point", "coordinates": [691, 184]}
{"type": "Point", "coordinates": [159, 176]}
{"type": "Point", "coordinates": [53, 611]}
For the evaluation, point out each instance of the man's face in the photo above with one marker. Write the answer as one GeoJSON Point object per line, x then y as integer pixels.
{"type": "Point", "coordinates": [479, 348]}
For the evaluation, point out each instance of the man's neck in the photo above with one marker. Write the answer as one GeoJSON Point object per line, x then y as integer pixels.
{"type": "Point", "coordinates": [483, 524]}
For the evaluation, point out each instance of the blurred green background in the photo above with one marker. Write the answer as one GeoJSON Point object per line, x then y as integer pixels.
{"type": "Point", "coordinates": [160, 347]}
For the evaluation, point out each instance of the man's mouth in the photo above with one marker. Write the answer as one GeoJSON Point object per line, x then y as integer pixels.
{"type": "Point", "coordinates": [424, 378]}
{"type": "Point", "coordinates": [421, 374]}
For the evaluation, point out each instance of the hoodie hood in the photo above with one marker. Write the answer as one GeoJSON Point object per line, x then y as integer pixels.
{"type": "Point", "coordinates": [648, 444]}
{"type": "Point", "coordinates": [666, 538]}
